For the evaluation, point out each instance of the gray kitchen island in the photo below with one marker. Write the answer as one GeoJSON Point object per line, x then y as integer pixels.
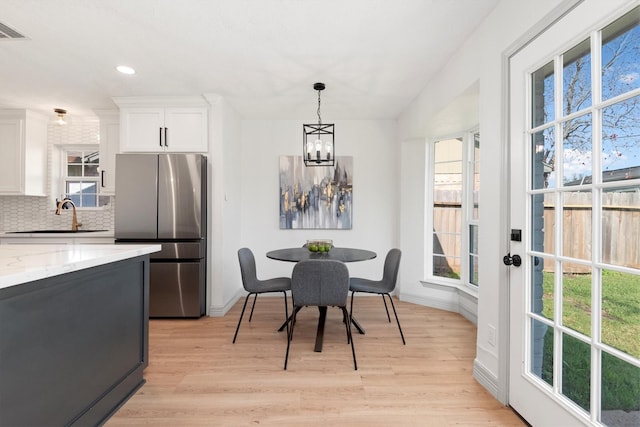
{"type": "Point", "coordinates": [73, 331]}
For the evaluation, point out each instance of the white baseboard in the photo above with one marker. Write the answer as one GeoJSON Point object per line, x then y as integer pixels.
{"type": "Point", "coordinates": [221, 310]}
{"type": "Point", "coordinates": [485, 378]}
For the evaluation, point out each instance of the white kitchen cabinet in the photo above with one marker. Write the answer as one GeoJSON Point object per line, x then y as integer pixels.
{"type": "Point", "coordinates": [23, 163]}
{"type": "Point", "coordinates": [109, 147]}
{"type": "Point", "coordinates": [163, 124]}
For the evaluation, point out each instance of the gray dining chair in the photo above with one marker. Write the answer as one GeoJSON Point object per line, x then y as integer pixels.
{"type": "Point", "coordinates": [255, 286]}
{"type": "Point", "coordinates": [382, 287]}
{"type": "Point", "coordinates": [321, 283]}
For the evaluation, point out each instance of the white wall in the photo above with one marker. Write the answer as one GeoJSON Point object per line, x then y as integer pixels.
{"type": "Point", "coordinates": [375, 192]}
{"type": "Point", "coordinates": [225, 206]}
{"type": "Point", "coordinates": [478, 63]}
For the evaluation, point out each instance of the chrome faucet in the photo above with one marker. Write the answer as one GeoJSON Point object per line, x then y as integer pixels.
{"type": "Point", "coordinates": [62, 205]}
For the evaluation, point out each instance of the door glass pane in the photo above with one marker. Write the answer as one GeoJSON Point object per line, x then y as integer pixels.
{"type": "Point", "coordinates": [542, 351]}
{"type": "Point", "coordinates": [577, 151]}
{"type": "Point", "coordinates": [620, 392]}
{"type": "Point", "coordinates": [620, 226]}
{"type": "Point", "coordinates": [577, 213]}
{"type": "Point", "coordinates": [542, 222]}
{"type": "Point", "coordinates": [576, 371]}
{"type": "Point", "coordinates": [620, 50]}
{"type": "Point", "coordinates": [576, 297]}
{"type": "Point", "coordinates": [543, 105]}
{"type": "Point", "coordinates": [620, 140]}
{"type": "Point", "coordinates": [542, 287]}
{"type": "Point", "coordinates": [621, 311]}
{"type": "Point", "coordinates": [544, 153]}
{"type": "Point", "coordinates": [576, 90]}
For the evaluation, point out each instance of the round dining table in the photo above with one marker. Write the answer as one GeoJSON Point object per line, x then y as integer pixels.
{"type": "Point", "coordinates": [340, 254]}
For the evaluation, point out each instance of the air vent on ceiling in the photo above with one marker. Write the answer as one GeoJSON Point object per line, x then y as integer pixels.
{"type": "Point", "coordinates": [7, 32]}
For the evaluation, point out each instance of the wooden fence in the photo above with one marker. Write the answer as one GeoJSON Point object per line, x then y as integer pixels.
{"type": "Point", "coordinates": [620, 229]}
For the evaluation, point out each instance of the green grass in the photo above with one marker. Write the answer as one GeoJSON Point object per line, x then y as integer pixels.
{"type": "Point", "coordinates": [620, 307]}
{"type": "Point", "coordinates": [620, 329]}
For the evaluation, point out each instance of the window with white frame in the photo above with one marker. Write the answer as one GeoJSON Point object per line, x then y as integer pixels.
{"type": "Point", "coordinates": [81, 177]}
{"type": "Point", "coordinates": [452, 214]}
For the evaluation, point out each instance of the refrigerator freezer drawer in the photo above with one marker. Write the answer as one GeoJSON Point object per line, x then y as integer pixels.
{"type": "Point", "coordinates": [176, 289]}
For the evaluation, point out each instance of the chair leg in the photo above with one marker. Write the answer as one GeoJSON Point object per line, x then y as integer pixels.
{"type": "Point", "coordinates": [385, 307]}
{"type": "Point", "coordinates": [345, 319]}
{"type": "Point", "coordinates": [255, 297]}
{"type": "Point", "coordinates": [286, 311]}
{"type": "Point", "coordinates": [397, 320]}
{"type": "Point", "coordinates": [349, 336]}
{"type": "Point", "coordinates": [351, 308]}
{"type": "Point", "coordinates": [246, 299]}
{"type": "Point", "coordinates": [290, 335]}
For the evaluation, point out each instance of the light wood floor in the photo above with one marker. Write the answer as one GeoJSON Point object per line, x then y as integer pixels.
{"type": "Point", "coordinates": [197, 377]}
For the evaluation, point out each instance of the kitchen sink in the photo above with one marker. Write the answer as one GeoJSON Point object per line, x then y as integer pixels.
{"type": "Point", "coordinates": [53, 231]}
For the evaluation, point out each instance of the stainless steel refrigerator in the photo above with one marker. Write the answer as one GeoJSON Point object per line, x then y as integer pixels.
{"type": "Point", "coordinates": [162, 199]}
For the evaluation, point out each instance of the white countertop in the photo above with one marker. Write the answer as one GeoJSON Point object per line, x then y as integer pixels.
{"type": "Point", "coordinates": [107, 233]}
{"type": "Point", "coordinates": [25, 263]}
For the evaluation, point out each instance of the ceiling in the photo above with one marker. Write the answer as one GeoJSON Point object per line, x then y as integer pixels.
{"type": "Point", "coordinates": [262, 56]}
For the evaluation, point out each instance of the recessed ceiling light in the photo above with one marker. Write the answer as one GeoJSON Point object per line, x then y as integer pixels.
{"type": "Point", "coordinates": [125, 70]}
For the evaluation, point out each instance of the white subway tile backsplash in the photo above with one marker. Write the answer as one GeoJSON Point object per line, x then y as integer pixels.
{"type": "Point", "coordinates": [20, 213]}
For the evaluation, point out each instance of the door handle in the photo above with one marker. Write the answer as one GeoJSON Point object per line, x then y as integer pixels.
{"type": "Point", "coordinates": [102, 179]}
{"type": "Point", "coordinates": [514, 260]}
{"type": "Point", "coordinates": [160, 137]}
{"type": "Point", "coordinates": [166, 143]}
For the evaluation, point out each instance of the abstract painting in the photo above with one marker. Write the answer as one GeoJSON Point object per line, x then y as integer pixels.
{"type": "Point", "coordinates": [318, 197]}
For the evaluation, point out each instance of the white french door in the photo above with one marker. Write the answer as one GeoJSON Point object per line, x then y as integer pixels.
{"type": "Point", "coordinates": [575, 198]}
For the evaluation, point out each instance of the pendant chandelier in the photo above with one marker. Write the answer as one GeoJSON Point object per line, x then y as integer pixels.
{"type": "Point", "coordinates": [60, 112]}
{"type": "Point", "coordinates": [318, 147]}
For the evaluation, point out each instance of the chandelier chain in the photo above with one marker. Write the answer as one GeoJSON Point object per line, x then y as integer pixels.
{"type": "Point", "coordinates": [319, 118]}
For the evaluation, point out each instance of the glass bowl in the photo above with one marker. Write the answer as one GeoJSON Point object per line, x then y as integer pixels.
{"type": "Point", "coordinates": [319, 245]}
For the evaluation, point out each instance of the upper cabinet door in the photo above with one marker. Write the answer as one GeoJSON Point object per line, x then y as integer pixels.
{"type": "Point", "coordinates": [175, 129]}
{"type": "Point", "coordinates": [109, 147]}
{"type": "Point", "coordinates": [186, 130]}
{"type": "Point", "coordinates": [23, 163]}
{"type": "Point", "coordinates": [11, 177]}
{"type": "Point", "coordinates": [141, 130]}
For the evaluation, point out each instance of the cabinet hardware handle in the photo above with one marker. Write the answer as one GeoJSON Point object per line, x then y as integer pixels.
{"type": "Point", "coordinates": [166, 142]}
{"type": "Point", "coordinates": [160, 136]}
{"type": "Point", "coordinates": [102, 179]}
